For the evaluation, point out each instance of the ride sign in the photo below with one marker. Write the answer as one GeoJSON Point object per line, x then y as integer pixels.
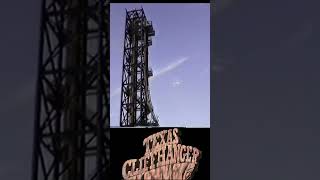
{"type": "Point", "coordinates": [165, 158]}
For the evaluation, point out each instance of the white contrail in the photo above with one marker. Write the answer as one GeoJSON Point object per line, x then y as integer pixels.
{"type": "Point", "coordinates": [169, 67]}
{"type": "Point", "coordinates": [159, 72]}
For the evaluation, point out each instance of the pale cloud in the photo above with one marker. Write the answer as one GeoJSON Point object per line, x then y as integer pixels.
{"type": "Point", "coordinates": [177, 83]}
{"type": "Point", "coordinates": [157, 73]}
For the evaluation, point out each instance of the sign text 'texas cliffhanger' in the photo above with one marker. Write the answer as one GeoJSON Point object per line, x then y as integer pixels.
{"type": "Point", "coordinates": [165, 158]}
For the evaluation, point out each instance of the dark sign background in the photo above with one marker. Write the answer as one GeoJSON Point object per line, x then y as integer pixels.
{"type": "Point", "coordinates": [127, 143]}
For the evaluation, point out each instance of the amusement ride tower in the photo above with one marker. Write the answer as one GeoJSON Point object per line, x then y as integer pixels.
{"type": "Point", "coordinates": [136, 106]}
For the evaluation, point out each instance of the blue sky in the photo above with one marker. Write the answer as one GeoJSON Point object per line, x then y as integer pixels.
{"type": "Point", "coordinates": [179, 57]}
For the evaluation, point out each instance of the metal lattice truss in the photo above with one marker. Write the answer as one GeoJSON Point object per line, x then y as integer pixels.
{"type": "Point", "coordinates": [71, 134]}
{"type": "Point", "coordinates": [136, 105]}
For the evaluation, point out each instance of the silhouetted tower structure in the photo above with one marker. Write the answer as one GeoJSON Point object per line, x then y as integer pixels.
{"type": "Point", "coordinates": [136, 105]}
{"type": "Point", "coordinates": [71, 132]}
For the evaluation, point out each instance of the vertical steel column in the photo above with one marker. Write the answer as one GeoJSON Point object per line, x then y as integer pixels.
{"type": "Point", "coordinates": [71, 130]}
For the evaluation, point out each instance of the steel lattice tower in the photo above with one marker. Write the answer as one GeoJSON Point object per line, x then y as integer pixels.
{"type": "Point", "coordinates": [136, 107]}
{"type": "Point", "coordinates": [71, 132]}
